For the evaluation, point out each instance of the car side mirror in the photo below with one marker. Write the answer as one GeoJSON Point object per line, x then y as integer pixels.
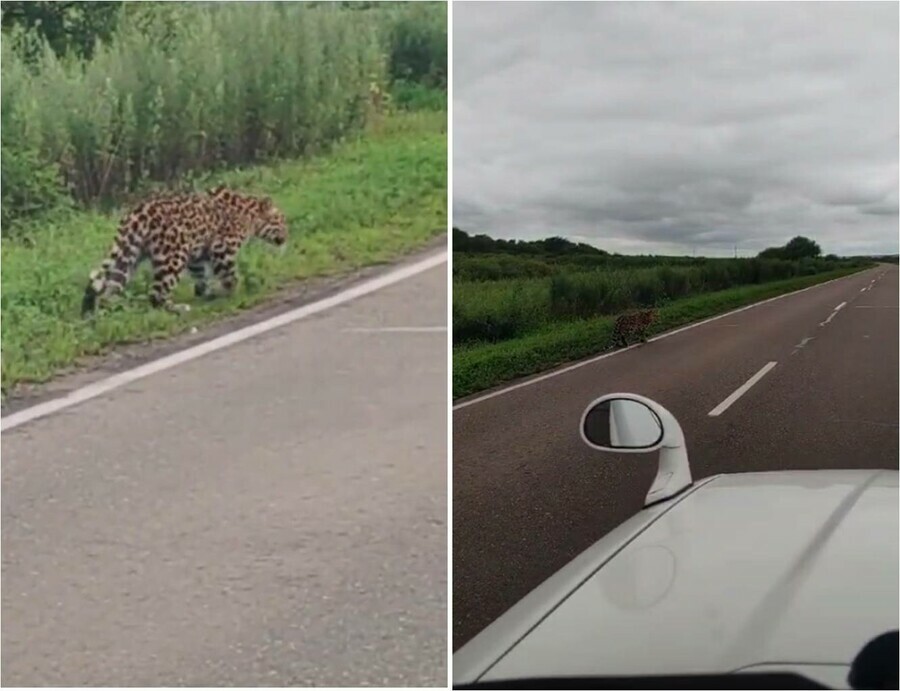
{"type": "Point", "coordinates": [617, 424]}
{"type": "Point", "coordinates": [629, 423]}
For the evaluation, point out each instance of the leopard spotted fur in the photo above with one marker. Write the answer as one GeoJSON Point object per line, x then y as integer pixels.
{"type": "Point", "coordinates": [633, 324]}
{"type": "Point", "coordinates": [179, 231]}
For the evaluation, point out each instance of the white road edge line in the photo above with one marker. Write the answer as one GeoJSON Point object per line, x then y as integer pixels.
{"type": "Point", "coordinates": [726, 404]}
{"type": "Point", "coordinates": [398, 329]}
{"type": "Point", "coordinates": [103, 386]}
{"type": "Point", "coordinates": [597, 358]}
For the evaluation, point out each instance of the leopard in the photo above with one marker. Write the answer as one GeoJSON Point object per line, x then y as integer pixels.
{"type": "Point", "coordinates": [633, 324]}
{"type": "Point", "coordinates": [175, 231]}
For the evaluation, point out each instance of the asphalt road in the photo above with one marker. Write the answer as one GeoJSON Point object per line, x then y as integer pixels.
{"type": "Point", "coordinates": [271, 514]}
{"type": "Point", "coordinates": [528, 495]}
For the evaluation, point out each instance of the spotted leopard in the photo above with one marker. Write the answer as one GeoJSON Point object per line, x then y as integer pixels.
{"type": "Point", "coordinates": [185, 230]}
{"type": "Point", "coordinates": [633, 324]}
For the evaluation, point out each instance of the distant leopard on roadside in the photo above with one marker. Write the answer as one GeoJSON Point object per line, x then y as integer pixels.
{"type": "Point", "coordinates": [633, 324]}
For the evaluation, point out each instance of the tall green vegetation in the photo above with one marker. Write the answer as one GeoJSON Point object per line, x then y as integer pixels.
{"type": "Point", "coordinates": [501, 295]}
{"type": "Point", "coordinates": [67, 27]}
{"type": "Point", "coordinates": [96, 105]}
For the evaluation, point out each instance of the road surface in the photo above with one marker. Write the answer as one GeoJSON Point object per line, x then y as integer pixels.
{"type": "Point", "coordinates": [271, 514]}
{"type": "Point", "coordinates": [528, 495]}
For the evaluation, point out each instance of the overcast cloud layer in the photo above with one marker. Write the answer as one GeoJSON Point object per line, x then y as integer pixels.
{"type": "Point", "coordinates": [678, 127]}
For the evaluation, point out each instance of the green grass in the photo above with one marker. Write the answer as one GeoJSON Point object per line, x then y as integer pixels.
{"type": "Point", "coordinates": [482, 366]}
{"type": "Point", "coordinates": [369, 201]}
{"type": "Point", "coordinates": [415, 96]}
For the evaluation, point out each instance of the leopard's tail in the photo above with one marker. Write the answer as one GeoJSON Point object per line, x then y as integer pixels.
{"type": "Point", "coordinates": [113, 274]}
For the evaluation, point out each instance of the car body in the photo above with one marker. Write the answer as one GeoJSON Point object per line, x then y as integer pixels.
{"type": "Point", "coordinates": [792, 571]}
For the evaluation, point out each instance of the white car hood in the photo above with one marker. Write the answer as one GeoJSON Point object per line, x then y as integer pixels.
{"type": "Point", "coordinates": [794, 568]}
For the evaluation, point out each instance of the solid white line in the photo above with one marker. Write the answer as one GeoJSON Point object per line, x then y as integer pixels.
{"type": "Point", "coordinates": [105, 385]}
{"type": "Point", "coordinates": [726, 404]}
{"type": "Point", "coordinates": [597, 358]}
{"type": "Point", "coordinates": [399, 329]}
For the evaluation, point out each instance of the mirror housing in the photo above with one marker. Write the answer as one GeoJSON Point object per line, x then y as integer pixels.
{"type": "Point", "coordinates": [629, 423]}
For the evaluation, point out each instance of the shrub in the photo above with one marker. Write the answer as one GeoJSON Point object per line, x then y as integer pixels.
{"type": "Point", "coordinates": [417, 40]}
{"type": "Point", "coordinates": [497, 311]}
{"type": "Point", "coordinates": [169, 98]}
{"type": "Point", "coordinates": [30, 186]}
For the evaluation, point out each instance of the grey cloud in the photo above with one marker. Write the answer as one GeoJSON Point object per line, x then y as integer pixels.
{"type": "Point", "coordinates": [678, 126]}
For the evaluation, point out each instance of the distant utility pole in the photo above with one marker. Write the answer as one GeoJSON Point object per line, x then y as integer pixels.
{"type": "Point", "coordinates": [735, 251]}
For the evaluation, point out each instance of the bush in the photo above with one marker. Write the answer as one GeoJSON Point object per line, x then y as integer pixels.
{"type": "Point", "coordinates": [30, 187]}
{"type": "Point", "coordinates": [498, 266]}
{"type": "Point", "coordinates": [675, 283]}
{"type": "Point", "coordinates": [497, 311]}
{"type": "Point", "coordinates": [169, 98]}
{"type": "Point", "coordinates": [416, 96]}
{"type": "Point", "coordinates": [30, 183]}
{"type": "Point", "coordinates": [417, 39]}
{"type": "Point", "coordinates": [68, 27]}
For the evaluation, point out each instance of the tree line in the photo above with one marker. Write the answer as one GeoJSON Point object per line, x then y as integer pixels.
{"type": "Point", "coordinates": [797, 248]}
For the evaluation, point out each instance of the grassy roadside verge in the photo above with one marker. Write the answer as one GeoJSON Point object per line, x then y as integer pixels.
{"type": "Point", "coordinates": [369, 201]}
{"type": "Point", "coordinates": [483, 366]}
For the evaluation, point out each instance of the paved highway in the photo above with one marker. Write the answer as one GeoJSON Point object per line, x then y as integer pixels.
{"type": "Point", "coordinates": [528, 495]}
{"type": "Point", "coordinates": [271, 514]}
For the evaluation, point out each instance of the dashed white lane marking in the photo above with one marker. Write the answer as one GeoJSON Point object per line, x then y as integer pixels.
{"type": "Point", "coordinates": [801, 344]}
{"type": "Point", "coordinates": [726, 404]}
{"type": "Point", "coordinates": [105, 385]}
{"type": "Point", "coordinates": [399, 329]}
{"type": "Point", "coordinates": [831, 316]}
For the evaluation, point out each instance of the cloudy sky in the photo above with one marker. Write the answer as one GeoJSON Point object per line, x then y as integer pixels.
{"type": "Point", "coordinates": [678, 127]}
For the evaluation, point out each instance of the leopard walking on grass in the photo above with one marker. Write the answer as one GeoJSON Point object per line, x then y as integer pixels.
{"type": "Point", "coordinates": [633, 324]}
{"type": "Point", "coordinates": [182, 231]}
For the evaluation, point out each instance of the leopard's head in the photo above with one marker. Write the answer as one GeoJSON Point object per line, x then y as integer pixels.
{"type": "Point", "coordinates": [267, 221]}
{"type": "Point", "coordinates": [272, 224]}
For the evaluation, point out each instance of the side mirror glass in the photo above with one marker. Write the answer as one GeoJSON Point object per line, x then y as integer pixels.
{"type": "Point", "coordinates": [617, 424]}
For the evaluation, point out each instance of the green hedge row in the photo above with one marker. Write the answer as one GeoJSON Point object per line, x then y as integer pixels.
{"type": "Point", "coordinates": [493, 311]}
